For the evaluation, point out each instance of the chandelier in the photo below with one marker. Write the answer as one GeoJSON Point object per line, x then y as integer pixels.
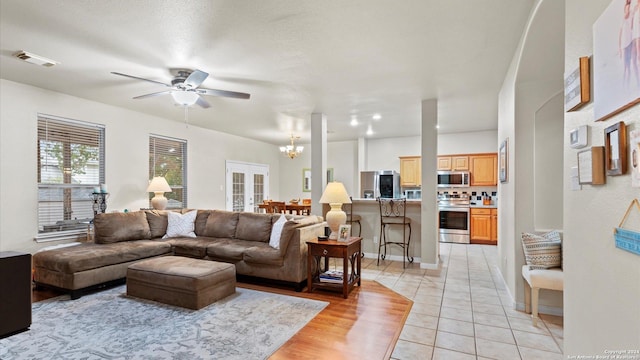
{"type": "Point", "coordinates": [291, 150]}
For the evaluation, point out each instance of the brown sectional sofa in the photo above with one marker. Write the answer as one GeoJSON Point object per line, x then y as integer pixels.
{"type": "Point", "coordinates": [122, 239]}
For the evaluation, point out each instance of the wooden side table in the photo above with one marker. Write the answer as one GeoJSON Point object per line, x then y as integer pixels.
{"type": "Point", "coordinates": [349, 251]}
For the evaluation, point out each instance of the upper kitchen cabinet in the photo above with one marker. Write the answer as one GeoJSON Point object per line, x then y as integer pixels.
{"type": "Point", "coordinates": [484, 169]}
{"type": "Point", "coordinates": [410, 171]}
{"type": "Point", "coordinates": [453, 162]}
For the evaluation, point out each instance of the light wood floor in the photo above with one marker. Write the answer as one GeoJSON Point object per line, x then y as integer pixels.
{"type": "Point", "coordinates": [367, 325]}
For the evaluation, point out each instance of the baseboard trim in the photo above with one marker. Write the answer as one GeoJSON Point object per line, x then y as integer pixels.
{"type": "Point", "coordinates": [391, 257]}
{"type": "Point", "coordinates": [543, 309]}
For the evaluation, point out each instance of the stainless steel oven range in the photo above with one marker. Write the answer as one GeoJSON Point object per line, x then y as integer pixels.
{"type": "Point", "coordinates": [454, 218]}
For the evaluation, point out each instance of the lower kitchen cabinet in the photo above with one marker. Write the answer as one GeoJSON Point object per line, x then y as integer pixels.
{"type": "Point", "coordinates": [484, 226]}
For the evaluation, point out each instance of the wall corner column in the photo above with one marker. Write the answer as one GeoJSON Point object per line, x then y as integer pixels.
{"type": "Point", "coordinates": [429, 149]}
{"type": "Point", "coordinates": [318, 160]}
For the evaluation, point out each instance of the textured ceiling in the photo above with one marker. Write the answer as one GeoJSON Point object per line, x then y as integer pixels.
{"type": "Point", "coordinates": [346, 59]}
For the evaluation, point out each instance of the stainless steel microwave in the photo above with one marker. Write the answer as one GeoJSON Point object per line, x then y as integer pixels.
{"type": "Point", "coordinates": [453, 178]}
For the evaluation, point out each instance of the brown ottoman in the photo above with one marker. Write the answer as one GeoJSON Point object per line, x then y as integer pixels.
{"type": "Point", "coordinates": [181, 281]}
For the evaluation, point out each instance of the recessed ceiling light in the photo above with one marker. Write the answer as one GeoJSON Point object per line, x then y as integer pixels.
{"type": "Point", "coordinates": [437, 126]}
{"type": "Point", "coordinates": [35, 59]}
{"type": "Point", "coordinates": [377, 117]}
{"type": "Point", "coordinates": [354, 121]}
{"type": "Point", "coordinates": [369, 130]}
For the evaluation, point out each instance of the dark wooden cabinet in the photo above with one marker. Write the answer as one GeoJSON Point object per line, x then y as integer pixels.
{"type": "Point", "coordinates": [15, 285]}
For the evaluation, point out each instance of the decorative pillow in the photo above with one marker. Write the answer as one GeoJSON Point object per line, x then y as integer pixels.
{"type": "Point", "coordinates": [181, 225]}
{"type": "Point", "coordinates": [115, 227]}
{"type": "Point", "coordinates": [542, 251]}
{"type": "Point", "coordinates": [276, 232]}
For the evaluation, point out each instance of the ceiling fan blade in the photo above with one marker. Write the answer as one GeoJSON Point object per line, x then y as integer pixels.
{"type": "Point", "coordinates": [202, 102]}
{"type": "Point", "coordinates": [196, 78]}
{"type": "Point", "coordinates": [153, 94]}
{"type": "Point", "coordinates": [139, 78]}
{"type": "Point", "coordinates": [223, 93]}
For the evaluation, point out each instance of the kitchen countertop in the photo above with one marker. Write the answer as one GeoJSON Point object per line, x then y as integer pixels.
{"type": "Point", "coordinates": [479, 205]}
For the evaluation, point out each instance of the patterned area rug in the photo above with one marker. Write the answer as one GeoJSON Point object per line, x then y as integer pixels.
{"type": "Point", "coordinates": [109, 325]}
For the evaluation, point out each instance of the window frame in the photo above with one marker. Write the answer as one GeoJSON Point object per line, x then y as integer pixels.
{"type": "Point", "coordinates": [155, 171]}
{"type": "Point", "coordinates": [50, 129]}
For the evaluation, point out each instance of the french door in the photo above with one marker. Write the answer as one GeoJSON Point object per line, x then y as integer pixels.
{"type": "Point", "coordinates": [247, 185]}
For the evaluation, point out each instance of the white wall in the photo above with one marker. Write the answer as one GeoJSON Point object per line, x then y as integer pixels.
{"type": "Point", "coordinates": [602, 283]}
{"type": "Point", "coordinates": [468, 142]}
{"type": "Point", "coordinates": [127, 141]}
{"type": "Point", "coordinates": [533, 79]}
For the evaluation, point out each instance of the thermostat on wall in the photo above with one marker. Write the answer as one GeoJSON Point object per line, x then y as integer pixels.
{"type": "Point", "coordinates": [578, 137]}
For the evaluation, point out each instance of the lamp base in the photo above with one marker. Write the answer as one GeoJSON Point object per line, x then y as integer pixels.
{"type": "Point", "coordinates": [159, 202]}
{"type": "Point", "coordinates": [335, 218]}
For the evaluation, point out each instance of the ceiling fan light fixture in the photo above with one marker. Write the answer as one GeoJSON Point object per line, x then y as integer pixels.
{"type": "Point", "coordinates": [184, 98]}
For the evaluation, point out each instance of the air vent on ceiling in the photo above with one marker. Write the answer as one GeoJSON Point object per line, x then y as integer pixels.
{"type": "Point", "coordinates": [35, 59]}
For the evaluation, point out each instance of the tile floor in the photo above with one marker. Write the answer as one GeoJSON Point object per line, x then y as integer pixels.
{"type": "Point", "coordinates": [463, 311]}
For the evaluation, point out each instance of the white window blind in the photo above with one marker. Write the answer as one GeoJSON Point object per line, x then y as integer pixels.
{"type": "Point", "coordinates": [168, 158]}
{"type": "Point", "coordinates": [70, 164]}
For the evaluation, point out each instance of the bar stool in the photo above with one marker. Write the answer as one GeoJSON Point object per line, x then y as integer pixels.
{"type": "Point", "coordinates": [393, 212]}
{"type": "Point", "coordinates": [351, 219]}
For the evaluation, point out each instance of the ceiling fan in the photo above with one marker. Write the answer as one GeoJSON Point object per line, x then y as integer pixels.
{"type": "Point", "coordinates": [185, 89]}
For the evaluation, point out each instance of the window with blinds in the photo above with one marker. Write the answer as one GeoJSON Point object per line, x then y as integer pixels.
{"type": "Point", "coordinates": [70, 165]}
{"type": "Point", "coordinates": [168, 158]}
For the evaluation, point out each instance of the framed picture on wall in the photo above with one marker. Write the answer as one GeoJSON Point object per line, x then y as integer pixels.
{"type": "Point", "coordinates": [615, 140]}
{"type": "Point", "coordinates": [616, 80]}
{"type": "Point", "coordinates": [503, 161]}
{"type": "Point", "coordinates": [306, 178]}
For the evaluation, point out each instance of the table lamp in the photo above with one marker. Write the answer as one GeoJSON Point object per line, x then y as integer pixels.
{"type": "Point", "coordinates": [159, 186]}
{"type": "Point", "coordinates": [335, 195]}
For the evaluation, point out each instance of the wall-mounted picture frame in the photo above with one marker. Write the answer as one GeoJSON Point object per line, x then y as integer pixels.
{"type": "Point", "coordinates": [591, 166]}
{"type": "Point", "coordinates": [578, 137]}
{"type": "Point", "coordinates": [503, 161]}
{"type": "Point", "coordinates": [616, 85]}
{"type": "Point", "coordinates": [344, 233]}
{"type": "Point", "coordinates": [615, 146]}
{"type": "Point", "coordinates": [577, 86]}
{"type": "Point", "coordinates": [306, 178]}
{"type": "Point", "coordinates": [634, 145]}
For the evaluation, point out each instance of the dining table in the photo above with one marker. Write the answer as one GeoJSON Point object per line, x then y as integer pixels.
{"type": "Point", "coordinates": [290, 208]}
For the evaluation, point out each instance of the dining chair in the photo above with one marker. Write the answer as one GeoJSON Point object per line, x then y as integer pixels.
{"type": "Point", "coordinates": [278, 207]}
{"type": "Point", "coordinates": [393, 212]}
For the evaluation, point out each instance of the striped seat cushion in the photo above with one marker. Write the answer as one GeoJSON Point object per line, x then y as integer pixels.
{"type": "Point", "coordinates": [542, 251]}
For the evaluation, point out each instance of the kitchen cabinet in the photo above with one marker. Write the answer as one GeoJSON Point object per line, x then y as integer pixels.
{"type": "Point", "coordinates": [484, 169]}
{"type": "Point", "coordinates": [494, 225]}
{"type": "Point", "coordinates": [410, 171]}
{"type": "Point", "coordinates": [453, 162]}
{"type": "Point", "coordinates": [480, 224]}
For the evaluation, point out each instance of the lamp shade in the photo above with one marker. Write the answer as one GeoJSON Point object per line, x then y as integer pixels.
{"type": "Point", "coordinates": [335, 193]}
{"type": "Point", "coordinates": [159, 184]}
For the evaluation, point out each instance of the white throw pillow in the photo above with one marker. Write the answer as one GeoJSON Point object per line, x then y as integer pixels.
{"type": "Point", "coordinates": [542, 251]}
{"type": "Point", "coordinates": [276, 231]}
{"type": "Point", "coordinates": [181, 225]}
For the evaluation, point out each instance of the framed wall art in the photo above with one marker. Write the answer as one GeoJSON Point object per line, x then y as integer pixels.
{"type": "Point", "coordinates": [503, 161]}
{"type": "Point", "coordinates": [616, 74]}
{"type": "Point", "coordinates": [306, 178]}
{"type": "Point", "coordinates": [577, 86]}
{"type": "Point", "coordinates": [615, 144]}
{"type": "Point", "coordinates": [591, 166]}
{"type": "Point", "coordinates": [634, 145]}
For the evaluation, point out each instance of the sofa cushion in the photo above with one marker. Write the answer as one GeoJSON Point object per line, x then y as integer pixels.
{"type": "Point", "coordinates": [116, 227]}
{"type": "Point", "coordinates": [158, 221]}
{"type": "Point", "coordinates": [262, 253]}
{"type": "Point", "coordinates": [89, 256]}
{"type": "Point", "coordinates": [191, 247]}
{"type": "Point", "coordinates": [229, 249]}
{"type": "Point", "coordinates": [181, 225]}
{"type": "Point", "coordinates": [542, 251]}
{"type": "Point", "coordinates": [253, 227]}
{"type": "Point", "coordinates": [201, 221]}
{"type": "Point", "coordinates": [221, 224]}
